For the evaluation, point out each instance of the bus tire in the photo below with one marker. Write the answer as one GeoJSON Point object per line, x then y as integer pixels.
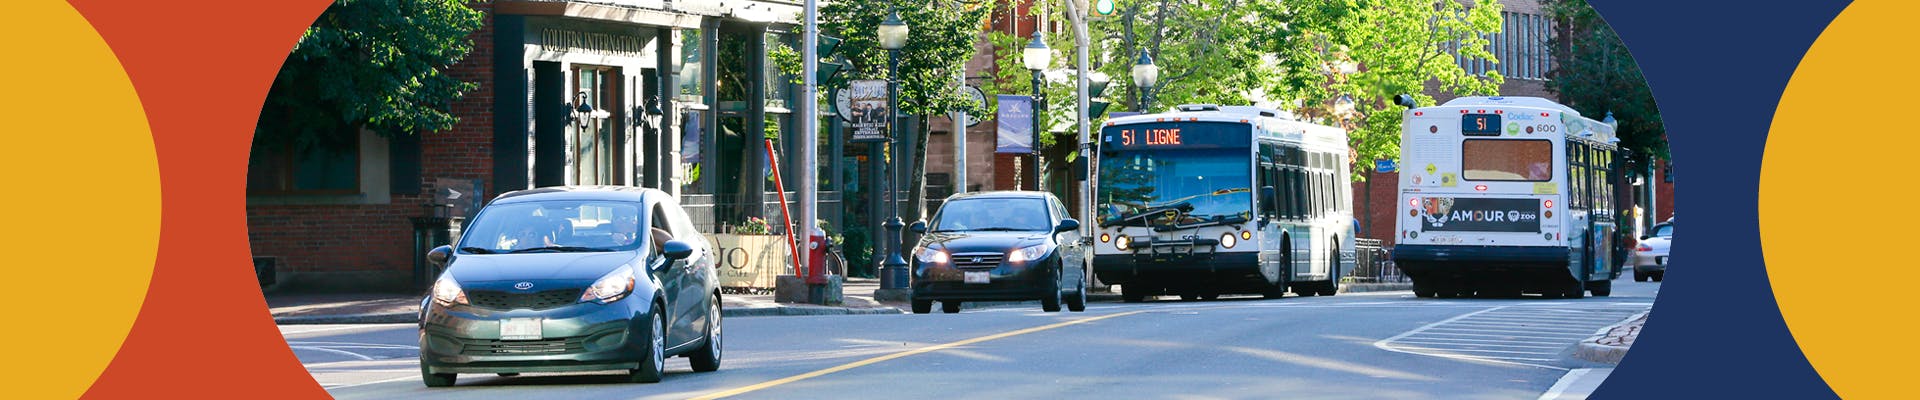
{"type": "Point", "coordinates": [1601, 288]}
{"type": "Point", "coordinates": [1274, 291]}
{"type": "Point", "coordinates": [1577, 290]}
{"type": "Point", "coordinates": [1133, 293]}
{"type": "Point", "coordinates": [1333, 272]}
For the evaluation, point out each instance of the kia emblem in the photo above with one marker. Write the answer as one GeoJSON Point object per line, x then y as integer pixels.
{"type": "Point", "coordinates": [523, 285]}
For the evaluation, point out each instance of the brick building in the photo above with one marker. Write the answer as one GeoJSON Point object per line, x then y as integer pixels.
{"type": "Point", "coordinates": [665, 94]}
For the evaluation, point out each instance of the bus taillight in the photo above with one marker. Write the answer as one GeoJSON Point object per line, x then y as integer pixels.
{"type": "Point", "coordinates": [1482, 188]}
{"type": "Point", "coordinates": [1549, 203]}
{"type": "Point", "coordinates": [1413, 202]}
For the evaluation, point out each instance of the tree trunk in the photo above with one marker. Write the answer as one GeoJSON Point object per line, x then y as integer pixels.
{"type": "Point", "coordinates": [917, 181]}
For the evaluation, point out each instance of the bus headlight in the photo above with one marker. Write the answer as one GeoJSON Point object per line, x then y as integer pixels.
{"type": "Point", "coordinates": [1227, 240]}
{"type": "Point", "coordinates": [1123, 242]}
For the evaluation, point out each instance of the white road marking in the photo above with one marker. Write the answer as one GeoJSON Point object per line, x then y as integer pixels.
{"type": "Point", "coordinates": [327, 350]}
{"type": "Point", "coordinates": [1565, 387]}
{"type": "Point", "coordinates": [1518, 334]}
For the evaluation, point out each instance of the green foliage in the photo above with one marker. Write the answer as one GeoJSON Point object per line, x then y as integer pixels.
{"type": "Point", "coordinates": [376, 64]}
{"type": "Point", "coordinates": [939, 43]}
{"type": "Point", "coordinates": [1395, 47]}
{"type": "Point", "coordinates": [1596, 74]}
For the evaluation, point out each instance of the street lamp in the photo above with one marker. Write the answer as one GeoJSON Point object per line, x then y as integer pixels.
{"type": "Point", "coordinates": [893, 37]}
{"type": "Point", "coordinates": [1145, 75]}
{"type": "Point", "coordinates": [1036, 57]}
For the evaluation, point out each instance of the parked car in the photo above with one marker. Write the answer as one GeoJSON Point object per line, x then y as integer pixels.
{"type": "Point", "coordinates": [1650, 257]}
{"type": "Point", "coordinates": [573, 279]}
{"type": "Point", "coordinates": [999, 246]}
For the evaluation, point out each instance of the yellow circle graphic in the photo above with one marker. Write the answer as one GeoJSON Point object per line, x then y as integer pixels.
{"type": "Point", "coordinates": [1837, 141]}
{"type": "Point", "coordinates": [82, 204]}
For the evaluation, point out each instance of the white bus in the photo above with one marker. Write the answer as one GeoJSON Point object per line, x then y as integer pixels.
{"type": "Point", "coordinates": [1506, 195]}
{"type": "Point", "coordinates": [1212, 200]}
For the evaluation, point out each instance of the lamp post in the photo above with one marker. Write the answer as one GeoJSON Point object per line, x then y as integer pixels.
{"type": "Point", "coordinates": [893, 37]}
{"type": "Point", "coordinates": [1145, 75]}
{"type": "Point", "coordinates": [1036, 57]}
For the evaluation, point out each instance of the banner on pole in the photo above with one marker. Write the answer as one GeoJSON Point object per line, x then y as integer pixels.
{"type": "Point", "coordinates": [1016, 125]}
{"type": "Point", "coordinates": [868, 111]}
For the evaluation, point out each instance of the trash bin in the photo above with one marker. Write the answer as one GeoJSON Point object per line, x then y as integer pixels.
{"type": "Point", "coordinates": [428, 233]}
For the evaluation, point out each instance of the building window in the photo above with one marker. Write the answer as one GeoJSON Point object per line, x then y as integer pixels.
{"type": "Point", "coordinates": [689, 75]}
{"type": "Point", "coordinates": [281, 167]}
{"type": "Point", "coordinates": [596, 156]}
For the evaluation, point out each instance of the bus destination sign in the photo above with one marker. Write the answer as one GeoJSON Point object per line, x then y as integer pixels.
{"type": "Point", "coordinates": [1171, 135]}
{"type": "Point", "coordinates": [1480, 124]}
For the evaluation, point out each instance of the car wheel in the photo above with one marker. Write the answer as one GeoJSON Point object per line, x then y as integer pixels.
{"type": "Point", "coordinates": [1050, 293]}
{"type": "Point", "coordinates": [707, 359]}
{"type": "Point", "coordinates": [1601, 288]}
{"type": "Point", "coordinates": [1422, 289]}
{"type": "Point", "coordinates": [1639, 276]}
{"type": "Point", "coordinates": [1274, 291]}
{"type": "Point", "coordinates": [653, 364]}
{"type": "Point", "coordinates": [1658, 275]}
{"type": "Point", "coordinates": [950, 306]}
{"type": "Point", "coordinates": [1209, 296]}
{"type": "Point", "coordinates": [1132, 293]}
{"type": "Point", "coordinates": [922, 306]}
{"type": "Point", "coordinates": [436, 380]}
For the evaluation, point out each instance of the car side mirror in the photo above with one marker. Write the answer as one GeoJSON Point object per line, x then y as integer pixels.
{"type": "Point", "coordinates": [677, 249]}
{"type": "Point", "coordinates": [1067, 225]}
{"type": "Point", "coordinates": [439, 255]}
{"type": "Point", "coordinates": [918, 227]}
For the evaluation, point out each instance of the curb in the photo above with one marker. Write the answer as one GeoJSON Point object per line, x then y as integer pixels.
{"type": "Point", "coordinates": [390, 318]}
{"type": "Point", "coordinates": [1591, 349]}
{"type": "Point", "coordinates": [802, 310]}
{"type": "Point", "coordinates": [1374, 287]}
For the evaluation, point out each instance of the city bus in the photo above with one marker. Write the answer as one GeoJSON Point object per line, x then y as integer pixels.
{"type": "Point", "coordinates": [1501, 196]}
{"type": "Point", "coordinates": [1213, 200]}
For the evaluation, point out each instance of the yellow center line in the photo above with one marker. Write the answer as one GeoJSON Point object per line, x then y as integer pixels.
{"type": "Point", "coordinates": [922, 350]}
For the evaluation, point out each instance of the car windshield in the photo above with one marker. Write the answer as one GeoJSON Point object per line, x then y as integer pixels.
{"type": "Point", "coordinates": [992, 214]}
{"type": "Point", "coordinates": [1664, 230]}
{"type": "Point", "coordinates": [1170, 189]}
{"type": "Point", "coordinates": [553, 226]}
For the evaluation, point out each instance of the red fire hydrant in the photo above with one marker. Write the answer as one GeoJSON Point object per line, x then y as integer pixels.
{"type": "Point", "coordinates": [817, 257]}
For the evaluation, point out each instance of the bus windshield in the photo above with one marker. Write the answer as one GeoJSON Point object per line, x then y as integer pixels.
{"type": "Point", "coordinates": [1507, 160]}
{"type": "Point", "coordinates": [1174, 189]}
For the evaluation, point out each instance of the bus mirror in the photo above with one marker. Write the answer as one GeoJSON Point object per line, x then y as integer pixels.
{"type": "Point", "coordinates": [1405, 100]}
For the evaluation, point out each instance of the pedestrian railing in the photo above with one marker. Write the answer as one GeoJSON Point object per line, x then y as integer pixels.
{"type": "Point", "coordinates": [1373, 263]}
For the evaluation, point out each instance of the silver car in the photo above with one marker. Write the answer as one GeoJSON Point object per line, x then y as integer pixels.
{"type": "Point", "coordinates": [1650, 257]}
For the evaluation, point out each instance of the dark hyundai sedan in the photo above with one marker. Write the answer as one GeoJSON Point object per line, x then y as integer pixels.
{"type": "Point", "coordinates": [999, 246]}
{"type": "Point", "coordinates": [572, 279]}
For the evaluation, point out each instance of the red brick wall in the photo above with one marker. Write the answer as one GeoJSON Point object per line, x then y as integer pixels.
{"type": "Point", "coordinates": [379, 237]}
{"type": "Point", "coordinates": [1379, 223]}
{"type": "Point", "coordinates": [1663, 192]}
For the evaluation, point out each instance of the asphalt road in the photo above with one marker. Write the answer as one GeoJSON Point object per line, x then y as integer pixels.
{"type": "Point", "coordinates": [1351, 346]}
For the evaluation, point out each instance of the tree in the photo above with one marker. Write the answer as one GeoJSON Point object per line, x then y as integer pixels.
{"type": "Point", "coordinates": [1595, 74]}
{"type": "Point", "coordinates": [941, 41]}
{"type": "Point", "coordinates": [374, 64]}
{"type": "Point", "coordinates": [1371, 51]}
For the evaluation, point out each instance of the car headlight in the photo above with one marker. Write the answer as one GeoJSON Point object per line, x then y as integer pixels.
{"type": "Point", "coordinates": [1029, 253]}
{"type": "Point", "coordinates": [929, 255]}
{"type": "Point", "coordinates": [616, 285]}
{"type": "Point", "coordinates": [446, 292]}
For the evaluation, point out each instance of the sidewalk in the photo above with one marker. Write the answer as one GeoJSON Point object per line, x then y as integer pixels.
{"type": "Point", "coordinates": [394, 308]}
{"type": "Point", "coordinates": [1612, 344]}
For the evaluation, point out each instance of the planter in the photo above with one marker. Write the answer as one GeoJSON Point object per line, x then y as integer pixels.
{"type": "Point", "coordinates": [750, 263]}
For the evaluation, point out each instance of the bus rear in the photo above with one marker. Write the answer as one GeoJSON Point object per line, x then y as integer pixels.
{"type": "Point", "coordinates": [1481, 206]}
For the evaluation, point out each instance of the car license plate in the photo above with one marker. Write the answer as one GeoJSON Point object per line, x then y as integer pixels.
{"type": "Point", "coordinates": [977, 277]}
{"type": "Point", "coordinates": [1660, 260]}
{"type": "Point", "coordinates": [520, 329]}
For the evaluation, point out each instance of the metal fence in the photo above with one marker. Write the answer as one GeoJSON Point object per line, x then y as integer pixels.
{"type": "Point", "coordinates": [724, 213]}
{"type": "Point", "coordinates": [1372, 263]}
